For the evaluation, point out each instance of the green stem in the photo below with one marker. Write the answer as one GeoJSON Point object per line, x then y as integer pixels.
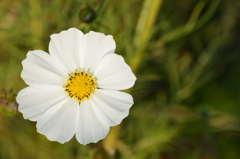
{"type": "Point", "coordinates": [100, 8]}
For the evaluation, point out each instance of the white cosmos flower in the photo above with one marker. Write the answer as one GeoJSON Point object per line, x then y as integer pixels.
{"type": "Point", "coordinates": [74, 89]}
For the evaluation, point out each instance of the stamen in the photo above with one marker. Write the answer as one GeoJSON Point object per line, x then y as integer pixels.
{"type": "Point", "coordinates": [80, 85]}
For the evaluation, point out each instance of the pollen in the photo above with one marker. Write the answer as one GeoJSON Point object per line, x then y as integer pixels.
{"type": "Point", "coordinates": [80, 85]}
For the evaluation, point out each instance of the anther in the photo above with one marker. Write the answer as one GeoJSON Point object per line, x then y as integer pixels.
{"type": "Point", "coordinates": [80, 85]}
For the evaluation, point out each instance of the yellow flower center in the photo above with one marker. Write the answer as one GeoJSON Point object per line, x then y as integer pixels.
{"type": "Point", "coordinates": [80, 85]}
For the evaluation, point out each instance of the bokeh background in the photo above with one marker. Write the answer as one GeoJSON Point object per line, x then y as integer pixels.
{"type": "Point", "coordinates": [185, 54]}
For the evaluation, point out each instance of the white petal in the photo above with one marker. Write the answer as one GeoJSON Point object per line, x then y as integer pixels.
{"type": "Point", "coordinates": [65, 49]}
{"type": "Point", "coordinates": [111, 106]}
{"type": "Point", "coordinates": [113, 73]}
{"type": "Point", "coordinates": [90, 129]}
{"type": "Point", "coordinates": [41, 71]}
{"type": "Point", "coordinates": [33, 102]}
{"type": "Point", "coordinates": [94, 47]}
{"type": "Point", "coordinates": [60, 123]}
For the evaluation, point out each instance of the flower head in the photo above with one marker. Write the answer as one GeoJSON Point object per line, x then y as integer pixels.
{"type": "Point", "coordinates": [75, 88]}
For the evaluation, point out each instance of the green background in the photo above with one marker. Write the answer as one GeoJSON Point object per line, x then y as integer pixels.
{"type": "Point", "coordinates": [185, 55]}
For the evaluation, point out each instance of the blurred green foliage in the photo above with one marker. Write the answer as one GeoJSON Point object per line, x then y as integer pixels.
{"type": "Point", "coordinates": [186, 59]}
